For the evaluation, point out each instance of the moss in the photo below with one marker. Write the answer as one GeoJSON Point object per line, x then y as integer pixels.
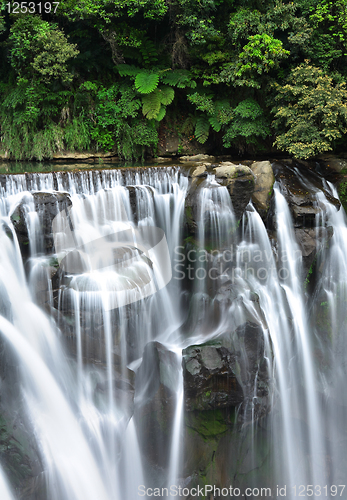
{"type": "Point", "coordinates": [310, 272]}
{"type": "Point", "coordinates": [342, 191]}
{"type": "Point", "coordinates": [13, 455]}
{"type": "Point", "coordinates": [189, 215]}
{"type": "Point", "coordinates": [209, 423]}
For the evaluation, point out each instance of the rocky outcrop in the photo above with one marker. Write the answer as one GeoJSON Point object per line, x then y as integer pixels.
{"type": "Point", "coordinates": [311, 241]}
{"type": "Point", "coordinates": [238, 179]}
{"type": "Point", "coordinates": [46, 206]}
{"type": "Point", "coordinates": [194, 158]}
{"type": "Point", "coordinates": [333, 162]}
{"type": "Point", "coordinates": [19, 459]}
{"type": "Point", "coordinates": [229, 373]}
{"type": "Point", "coordinates": [263, 185]}
{"type": "Point", "coordinates": [76, 155]}
{"type": "Point", "coordinates": [240, 182]}
{"type": "Point", "coordinates": [210, 381]}
{"type": "Point", "coordinates": [299, 186]}
{"type": "Point", "coordinates": [227, 385]}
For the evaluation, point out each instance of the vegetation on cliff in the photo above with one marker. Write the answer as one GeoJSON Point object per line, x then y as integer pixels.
{"type": "Point", "coordinates": [113, 75]}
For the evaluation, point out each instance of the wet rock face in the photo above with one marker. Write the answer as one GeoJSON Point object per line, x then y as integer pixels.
{"type": "Point", "coordinates": [47, 206]}
{"type": "Point", "coordinates": [298, 185]}
{"type": "Point", "coordinates": [238, 179]}
{"type": "Point", "coordinates": [209, 378]}
{"type": "Point", "coordinates": [155, 386]}
{"type": "Point", "coordinates": [240, 182]}
{"type": "Point", "coordinates": [254, 371]}
{"type": "Point", "coordinates": [220, 376]}
{"type": "Point", "coordinates": [311, 241]}
{"type": "Point", "coordinates": [263, 185]}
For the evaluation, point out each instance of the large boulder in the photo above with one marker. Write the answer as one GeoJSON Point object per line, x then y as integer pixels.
{"type": "Point", "coordinates": [229, 372]}
{"type": "Point", "coordinates": [333, 162]}
{"type": "Point", "coordinates": [227, 384]}
{"type": "Point", "coordinates": [263, 185]}
{"type": "Point", "coordinates": [210, 380]}
{"type": "Point", "coordinates": [240, 182]}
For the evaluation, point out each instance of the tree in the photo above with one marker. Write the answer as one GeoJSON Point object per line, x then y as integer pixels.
{"type": "Point", "coordinates": [311, 112]}
{"type": "Point", "coordinates": [40, 50]}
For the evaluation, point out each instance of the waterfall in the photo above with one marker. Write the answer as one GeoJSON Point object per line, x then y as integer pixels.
{"type": "Point", "coordinates": [97, 321]}
{"type": "Point", "coordinates": [5, 491]}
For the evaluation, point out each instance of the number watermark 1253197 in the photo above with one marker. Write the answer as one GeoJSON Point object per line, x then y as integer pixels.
{"type": "Point", "coordinates": [32, 7]}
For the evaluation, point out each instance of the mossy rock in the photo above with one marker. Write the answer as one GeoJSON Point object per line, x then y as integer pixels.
{"type": "Point", "coordinates": [209, 423]}
{"type": "Point", "coordinates": [14, 456]}
{"type": "Point", "coordinates": [342, 192]}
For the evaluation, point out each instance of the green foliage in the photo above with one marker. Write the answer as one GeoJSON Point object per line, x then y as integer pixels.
{"type": "Point", "coordinates": [155, 102]}
{"type": "Point", "coordinates": [247, 126]}
{"type": "Point", "coordinates": [180, 78]}
{"type": "Point", "coordinates": [261, 54]}
{"type": "Point", "coordinates": [311, 112]}
{"type": "Point", "coordinates": [28, 130]}
{"type": "Point", "coordinates": [202, 102]}
{"type": "Point", "coordinates": [101, 75]}
{"type": "Point", "coordinates": [151, 105]}
{"type": "Point", "coordinates": [166, 94]}
{"type": "Point", "coordinates": [104, 11]}
{"type": "Point", "coordinates": [40, 50]}
{"type": "Point", "coordinates": [342, 191]}
{"type": "Point", "coordinates": [218, 112]}
{"type": "Point", "coordinates": [202, 129]}
{"type": "Point", "coordinates": [77, 134]}
{"type": "Point", "coordinates": [146, 82]}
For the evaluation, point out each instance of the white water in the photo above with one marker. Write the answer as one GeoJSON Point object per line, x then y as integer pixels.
{"type": "Point", "coordinates": [5, 491]}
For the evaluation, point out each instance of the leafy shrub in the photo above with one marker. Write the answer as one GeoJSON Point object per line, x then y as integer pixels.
{"type": "Point", "coordinates": [247, 126]}
{"type": "Point", "coordinates": [311, 112]}
{"type": "Point", "coordinates": [39, 49]}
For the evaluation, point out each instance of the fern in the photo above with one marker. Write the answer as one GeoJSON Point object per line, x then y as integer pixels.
{"type": "Point", "coordinates": [151, 105]}
{"type": "Point", "coordinates": [166, 94]}
{"type": "Point", "coordinates": [202, 129]}
{"type": "Point", "coordinates": [128, 70]}
{"type": "Point", "coordinates": [162, 113]}
{"type": "Point", "coordinates": [188, 125]}
{"type": "Point", "coordinates": [148, 51]}
{"type": "Point", "coordinates": [146, 82]}
{"type": "Point", "coordinates": [214, 123]}
{"type": "Point", "coordinates": [180, 78]}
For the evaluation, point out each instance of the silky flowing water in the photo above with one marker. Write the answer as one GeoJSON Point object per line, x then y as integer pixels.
{"type": "Point", "coordinates": [73, 393]}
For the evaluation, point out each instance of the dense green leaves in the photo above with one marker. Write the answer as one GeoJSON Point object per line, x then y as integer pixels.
{"type": "Point", "coordinates": [40, 50]}
{"type": "Point", "coordinates": [113, 75]}
{"type": "Point", "coordinates": [247, 126]}
{"type": "Point", "coordinates": [146, 82]}
{"type": "Point", "coordinates": [311, 112]}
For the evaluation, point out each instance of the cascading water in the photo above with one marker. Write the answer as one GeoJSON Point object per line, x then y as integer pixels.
{"type": "Point", "coordinates": [5, 491]}
{"type": "Point", "coordinates": [78, 323]}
